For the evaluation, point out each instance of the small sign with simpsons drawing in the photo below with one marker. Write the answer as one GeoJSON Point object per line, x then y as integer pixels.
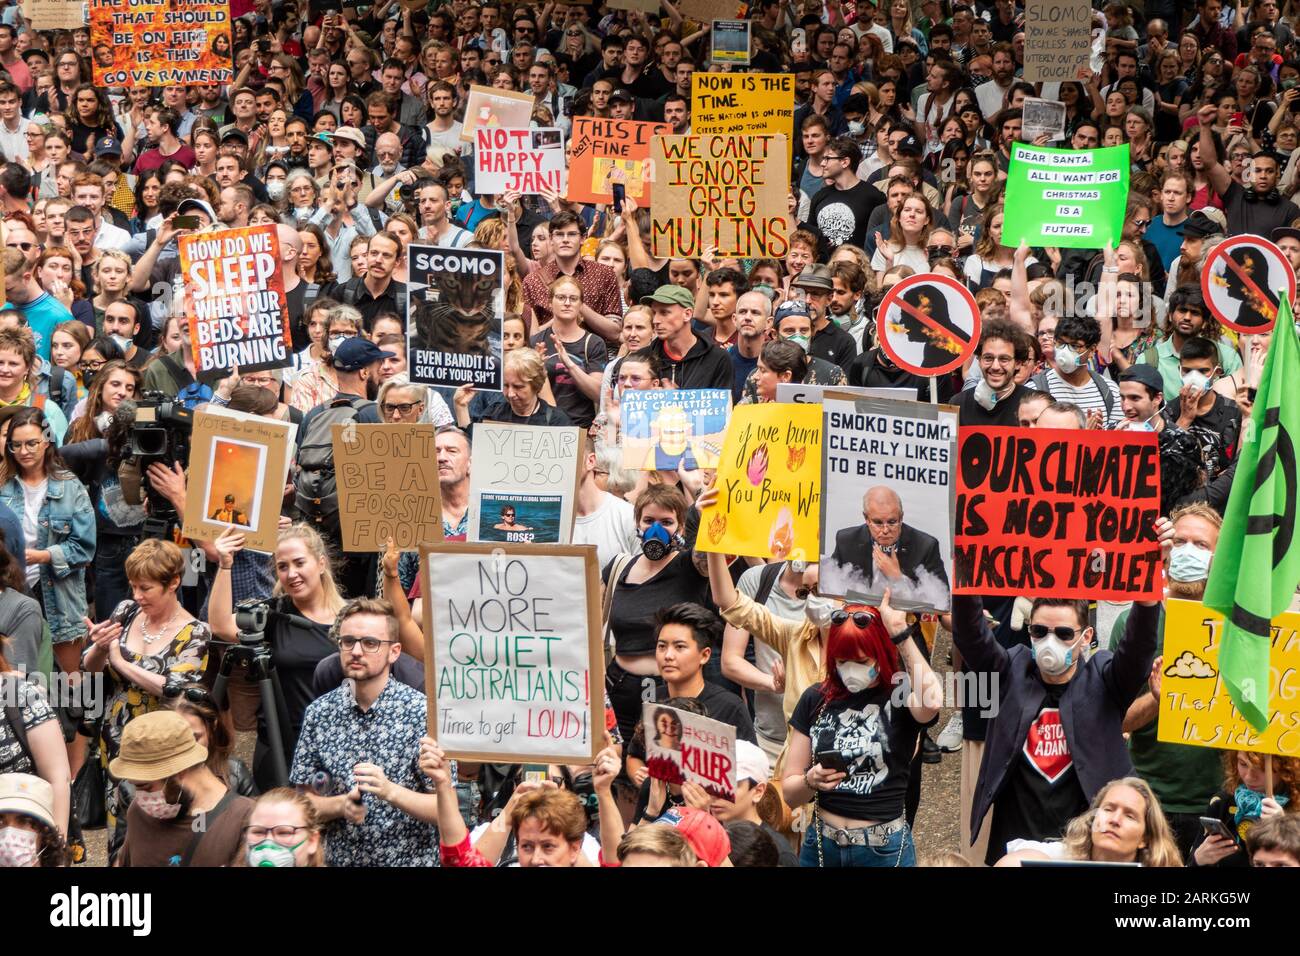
{"type": "Point", "coordinates": [769, 484]}
{"type": "Point", "coordinates": [1194, 705]}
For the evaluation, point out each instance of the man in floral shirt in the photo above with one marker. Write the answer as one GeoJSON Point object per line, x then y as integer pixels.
{"type": "Point", "coordinates": [365, 738]}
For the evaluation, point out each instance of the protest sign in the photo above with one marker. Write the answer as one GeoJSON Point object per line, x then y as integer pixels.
{"type": "Point", "coordinates": [667, 430]}
{"type": "Point", "coordinates": [523, 481]}
{"type": "Point", "coordinates": [804, 394]}
{"type": "Point", "coordinates": [1067, 198]}
{"type": "Point", "coordinates": [234, 291]}
{"type": "Point", "coordinates": [161, 43]}
{"type": "Point", "coordinates": [606, 151]}
{"type": "Point", "coordinates": [893, 463]}
{"type": "Point", "coordinates": [1241, 282]}
{"type": "Point", "coordinates": [514, 667]}
{"type": "Point", "coordinates": [751, 104]}
{"type": "Point", "coordinates": [728, 193]}
{"type": "Point", "coordinates": [931, 324]}
{"type": "Point", "coordinates": [56, 14]}
{"type": "Point", "coordinates": [1058, 513]}
{"type": "Point", "coordinates": [731, 42]}
{"type": "Point", "coordinates": [648, 6]}
{"type": "Point", "coordinates": [681, 747]}
{"type": "Point", "coordinates": [237, 470]}
{"type": "Point", "coordinates": [1058, 39]}
{"type": "Point", "coordinates": [769, 484]}
{"type": "Point", "coordinates": [705, 10]}
{"type": "Point", "coordinates": [387, 478]}
{"type": "Point", "coordinates": [454, 309]}
{"type": "Point", "coordinates": [1195, 708]}
{"type": "Point", "coordinates": [489, 107]}
{"type": "Point", "coordinates": [518, 160]}
{"type": "Point", "coordinates": [1042, 118]}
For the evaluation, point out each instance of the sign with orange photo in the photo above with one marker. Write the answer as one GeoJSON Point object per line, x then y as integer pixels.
{"type": "Point", "coordinates": [607, 151]}
{"type": "Point", "coordinates": [163, 43]}
{"type": "Point", "coordinates": [234, 293]}
{"type": "Point", "coordinates": [237, 471]}
{"type": "Point", "coordinates": [491, 107]}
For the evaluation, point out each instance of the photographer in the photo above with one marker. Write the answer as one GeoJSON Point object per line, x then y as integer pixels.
{"type": "Point", "coordinates": [343, 217]}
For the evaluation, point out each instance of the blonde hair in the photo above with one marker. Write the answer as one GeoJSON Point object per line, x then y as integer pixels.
{"type": "Point", "coordinates": [658, 839]}
{"type": "Point", "coordinates": [315, 545]}
{"type": "Point", "coordinates": [309, 817]}
{"type": "Point", "coordinates": [1160, 848]}
{"type": "Point", "coordinates": [528, 365]}
{"type": "Point", "coordinates": [155, 560]}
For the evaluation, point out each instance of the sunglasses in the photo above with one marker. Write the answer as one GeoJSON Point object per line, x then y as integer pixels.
{"type": "Point", "coordinates": [939, 252]}
{"type": "Point", "coordinates": [1141, 223]}
{"type": "Point", "coordinates": [1039, 631]}
{"type": "Point", "coordinates": [24, 246]}
{"type": "Point", "coordinates": [859, 618]}
{"type": "Point", "coordinates": [192, 693]}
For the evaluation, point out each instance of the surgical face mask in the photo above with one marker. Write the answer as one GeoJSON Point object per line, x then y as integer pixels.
{"type": "Point", "coordinates": [857, 128]}
{"type": "Point", "coordinates": [1052, 655]}
{"type": "Point", "coordinates": [1189, 562]}
{"type": "Point", "coordinates": [818, 610]}
{"type": "Point", "coordinates": [154, 803]}
{"type": "Point", "coordinates": [122, 342]}
{"type": "Point", "coordinates": [19, 847]}
{"type": "Point", "coordinates": [1067, 359]}
{"type": "Point", "coordinates": [335, 341]}
{"type": "Point", "coordinates": [270, 853]}
{"type": "Point", "coordinates": [275, 189]}
{"type": "Point", "coordinates": [985, 397]}
{"type": "Point", "coordinates": [1289, 82]}
{"type": "Point", "coordinates": [1197, 380]}
{"type": "Point", "coordinates": [857, 677]}
{"type": "Point", "coordinates": [800, 340]}
{"type": "Point", "coordinates": [657, 541]}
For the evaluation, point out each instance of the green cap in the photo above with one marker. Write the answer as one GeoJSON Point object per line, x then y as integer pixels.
{"type": "Point", "coordinates": [670, 295]}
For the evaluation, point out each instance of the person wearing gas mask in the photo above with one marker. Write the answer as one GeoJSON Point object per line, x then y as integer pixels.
{"type": "Point", "coordinates": [1215, 421]}
{"type": "Point", "coordinates": [1141, 395]}
{"type": "Point", "coordinates": [1183, 778]}
{"type": "Point", "coordinates": [661, 575]}
{"type": "Point", "coordinates": [1057, 738]}
{"type": "Point", "coordinates": [995, 398]}
{"type": "Point", "coordinates": [174, 790]}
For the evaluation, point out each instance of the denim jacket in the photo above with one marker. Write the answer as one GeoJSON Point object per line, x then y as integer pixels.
{"type": "Point", "coordinates": [66, 528]}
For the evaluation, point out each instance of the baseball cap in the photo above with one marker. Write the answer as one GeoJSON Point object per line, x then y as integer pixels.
{"type": "Point", "coordinates": [107, 146]}
{"type": "Point", "coordinates": [324, 139]}
{"type": "Point", "coordinates": [670, 295]}
{"type": "Point", "coordinates": [156, 746]}
{"type": "Point", "coordinates": [752, 763]}
{"type": "Point", "coordinates": [195, 203]}
{"type": "Point", "coordinates": [1285, 232]}
{"type": "Point", "coordinates": [788, 308]}
{"type": "Point", "coordinates": [356, 353]}
{"type": "Point", "coordinates": [1147, 375]}
{"type": "Point", "coordinates": [623, 95]}
{"type": "Point", "coordinates": [705, 834]}
{"type": "Point", "coordinates": [1201, 224]}
{"type": "Point", "coordinates": [29, 795]}
{"type": "Point", "coordinates": [909, 145]}
{"type": "Point", "coordinates": [233, 132]}
{"type": "Point", "coordinates": [351, 134]}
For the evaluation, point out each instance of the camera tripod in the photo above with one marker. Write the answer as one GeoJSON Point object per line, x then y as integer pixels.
{"type": "Point", "coordinates": [254, 650]}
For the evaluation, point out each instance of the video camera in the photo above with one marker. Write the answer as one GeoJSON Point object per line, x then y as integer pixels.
{"type": "Point", "coordinates": [160, 433]}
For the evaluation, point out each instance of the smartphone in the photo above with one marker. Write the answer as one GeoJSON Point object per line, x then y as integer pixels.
{"type": "Point", "coordinates": [186, 222]}
{"type": "Point", "coordinates": [538, 772]}
{"type": "Point", "coordinates": [833, 760]}
{"type": "Point", "coordinates": [1216, 827]}
{"type": "Point", "coordinates": [619, 192]}
{"type": "Point", "coordinates": [1238, 119]}
{"type": "Point", "coordinates": [264, 45]}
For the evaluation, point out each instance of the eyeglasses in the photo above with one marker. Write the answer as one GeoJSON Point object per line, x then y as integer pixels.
{"type": "Point", "coordinates": [283, 835]}
{"type": "Point", "coordinates": [32, 444]}
{"type": "Point", "coordinates": [860, 618]}
{"type": "Point", "coordinates": [997, 360]}
{"type": "Point", "coordinates": [1046, 334]}
{"type": "Point", "coordinates": [24, 246]}
{"type": "Point", "coordinates": [1039, 631]}
{"type": "Point", "coordinates": [399, 408]}
{"type": "Point", "coordinates": [369, 645]}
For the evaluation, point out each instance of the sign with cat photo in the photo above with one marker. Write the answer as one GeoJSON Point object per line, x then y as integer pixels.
{"type": "Point", "coordinates": [455, 306]}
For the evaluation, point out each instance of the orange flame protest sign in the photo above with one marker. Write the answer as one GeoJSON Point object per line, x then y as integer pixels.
{"type": "Point", "coordinates": [160, 42]}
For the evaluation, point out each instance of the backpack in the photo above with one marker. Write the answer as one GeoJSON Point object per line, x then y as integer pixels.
{"type": "Point", "coordinates": [315, 491]}
{"type": "Point", "coordinates": [1040, 383]}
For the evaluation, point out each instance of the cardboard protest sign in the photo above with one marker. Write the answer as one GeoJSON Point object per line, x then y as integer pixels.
{"type": "Point", "coordinates": [1059, 513]}
{"type": "Point", "coordinates": [387, 477]}
{"type": "Point", "coordinates": [523, 483]}
{"type": "Point", "coordinates": [161, 43]}
{"type": "Point", "coordinates": [518, 160]}
{"type": "Point", "coordinates": [56, 14]}
{"type": "Point", "coordinates": [805, 394]}
{"type": "Point", "coordinates": [1068, 198]}
{"type": "Point", "coordinates": [1042, 118]}
{"type": "Point", "coordinates": [234, 292]}
{"type": "Point", "coordinates": [1241, 282]}
{"type": "Point", "coordinates": [489, 107]}
{"type": "Point", "coordinates": [1195, 708]}
{"type": "Point", "coordinates": [666, 430]}
{"type": "Point", "coordinates": [606, 151]}
{"type": "Point", "coordinates": [681, 747]}
{"type": "Point", "coordinates": [769, 484]}
{"type": "Point", "coordinates": [892, 462]}
{"type": "Point", "coordinates": [454, 309]}
{"type": "Point", "coordinates": [728, 193]}
{"type": "Point", "coordinates": [706, 10]}
{"type": "Point", "coordinates": [730, 42]}
{"type": "Point", "coordinates": [751, 104]}
{"type": "Point", "coordinates": [930, 324]}
{"type": "Point", "coordinates": [514, 668]}
{"type": "Point", "coordinates": [1058, 39]}
{"type": "Point", "coordinates": [648, 6]}
{"type": "Point", "coordinates": [237, 471]}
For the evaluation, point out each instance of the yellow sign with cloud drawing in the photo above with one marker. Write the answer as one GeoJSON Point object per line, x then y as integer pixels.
{"type": "Point", "coordinates": [1194, 705]}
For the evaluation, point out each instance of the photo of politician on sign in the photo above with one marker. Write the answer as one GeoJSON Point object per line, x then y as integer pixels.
{"type": "Point", "coordinates": [454, 314]}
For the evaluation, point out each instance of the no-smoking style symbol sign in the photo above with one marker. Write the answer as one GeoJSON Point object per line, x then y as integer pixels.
{"type": "Point", "coordinates": [930, 324]}
{"type": "Point", "coordinates": [1241, 282]}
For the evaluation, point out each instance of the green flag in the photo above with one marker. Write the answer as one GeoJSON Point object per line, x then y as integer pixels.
{"type": "Point", "coordinates": [1257, 563]}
